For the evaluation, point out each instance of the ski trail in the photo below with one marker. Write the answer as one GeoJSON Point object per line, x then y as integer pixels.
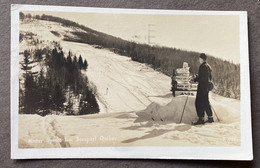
{"type": "Point", "coordinates": [122, 84]}
{"type": "Point", "coordinates": [54, 135]}
{"type": "Point", "coordinates": [129, 92]}
{"type": "Point", "coordinates": [129, 84]}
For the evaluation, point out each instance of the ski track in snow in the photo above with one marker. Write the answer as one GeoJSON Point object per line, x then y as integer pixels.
{"type": "Point", "coordinates": [124, 90]}
{"type": "Point", "coordinates": [46, 129]}
{"type": "Point", "coordinates": [53, 131]}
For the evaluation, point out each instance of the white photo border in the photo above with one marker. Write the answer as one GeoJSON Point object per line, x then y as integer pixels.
{"type": "Point", "coordinates": [242, 152]}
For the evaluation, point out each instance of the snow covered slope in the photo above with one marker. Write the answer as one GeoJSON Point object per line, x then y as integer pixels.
{"type": "Point", "coordinates": [136, 104]}
{"type": "Point", "coordinates": [122, 84]}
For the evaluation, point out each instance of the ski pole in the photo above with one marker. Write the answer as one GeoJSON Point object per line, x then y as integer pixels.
{"type": "Point", "coordinates": [184, 108]}
{"type": "Point", "coordinates": [214, 112]}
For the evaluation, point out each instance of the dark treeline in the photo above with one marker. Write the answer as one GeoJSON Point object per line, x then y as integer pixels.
{"type": "Point", "coordinates": [226, 75]}
{"type": "Point", "coordinates": [55, 88]}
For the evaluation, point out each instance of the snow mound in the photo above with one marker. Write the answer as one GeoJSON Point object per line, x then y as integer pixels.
{"type": "Point", "coordinates": [175, 109]}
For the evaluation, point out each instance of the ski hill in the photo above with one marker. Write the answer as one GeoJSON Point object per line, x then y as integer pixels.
{"type": "Point", "coordinates": [122, 84]}
{"type": "Point", "coordinates": [136, 104]}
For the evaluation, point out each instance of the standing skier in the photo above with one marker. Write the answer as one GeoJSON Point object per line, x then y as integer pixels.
{"type": "Point", "coordinates": [202, 98]}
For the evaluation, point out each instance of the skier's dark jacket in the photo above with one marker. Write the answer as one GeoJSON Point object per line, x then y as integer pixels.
{"type": "Point", "coordinates": [203, 77]}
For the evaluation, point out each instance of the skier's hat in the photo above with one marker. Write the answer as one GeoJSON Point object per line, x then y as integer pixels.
{"type": "Point", "coordinates": [203, 56]}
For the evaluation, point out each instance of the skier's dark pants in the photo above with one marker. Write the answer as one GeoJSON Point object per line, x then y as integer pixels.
{"type": "Point", "coordinates": [202, 104]}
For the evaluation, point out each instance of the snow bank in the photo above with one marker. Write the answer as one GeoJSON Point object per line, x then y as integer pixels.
{"type": "Point", "coordinates": [175, 109]}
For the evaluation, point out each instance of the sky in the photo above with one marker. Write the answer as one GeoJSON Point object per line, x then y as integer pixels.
{"type": "Point", "coordinates": [216, 35]}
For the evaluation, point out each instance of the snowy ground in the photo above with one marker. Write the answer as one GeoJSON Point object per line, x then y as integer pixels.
{"type": "Point", "coordinates": [129, 129]}
{"type": "Point", "coordinates": [137, 108]}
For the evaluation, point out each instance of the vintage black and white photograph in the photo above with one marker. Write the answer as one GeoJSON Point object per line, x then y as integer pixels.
{"type": "Point", "coordinates": [126, 78]}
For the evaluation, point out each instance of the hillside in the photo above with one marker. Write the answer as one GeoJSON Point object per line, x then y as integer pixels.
{"type": "Point", "coordinates": [226, 75]}
{"type": "Point", "coordinates": [51, 81]}
{"type": "Point", "coordinates": [122, 84]}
